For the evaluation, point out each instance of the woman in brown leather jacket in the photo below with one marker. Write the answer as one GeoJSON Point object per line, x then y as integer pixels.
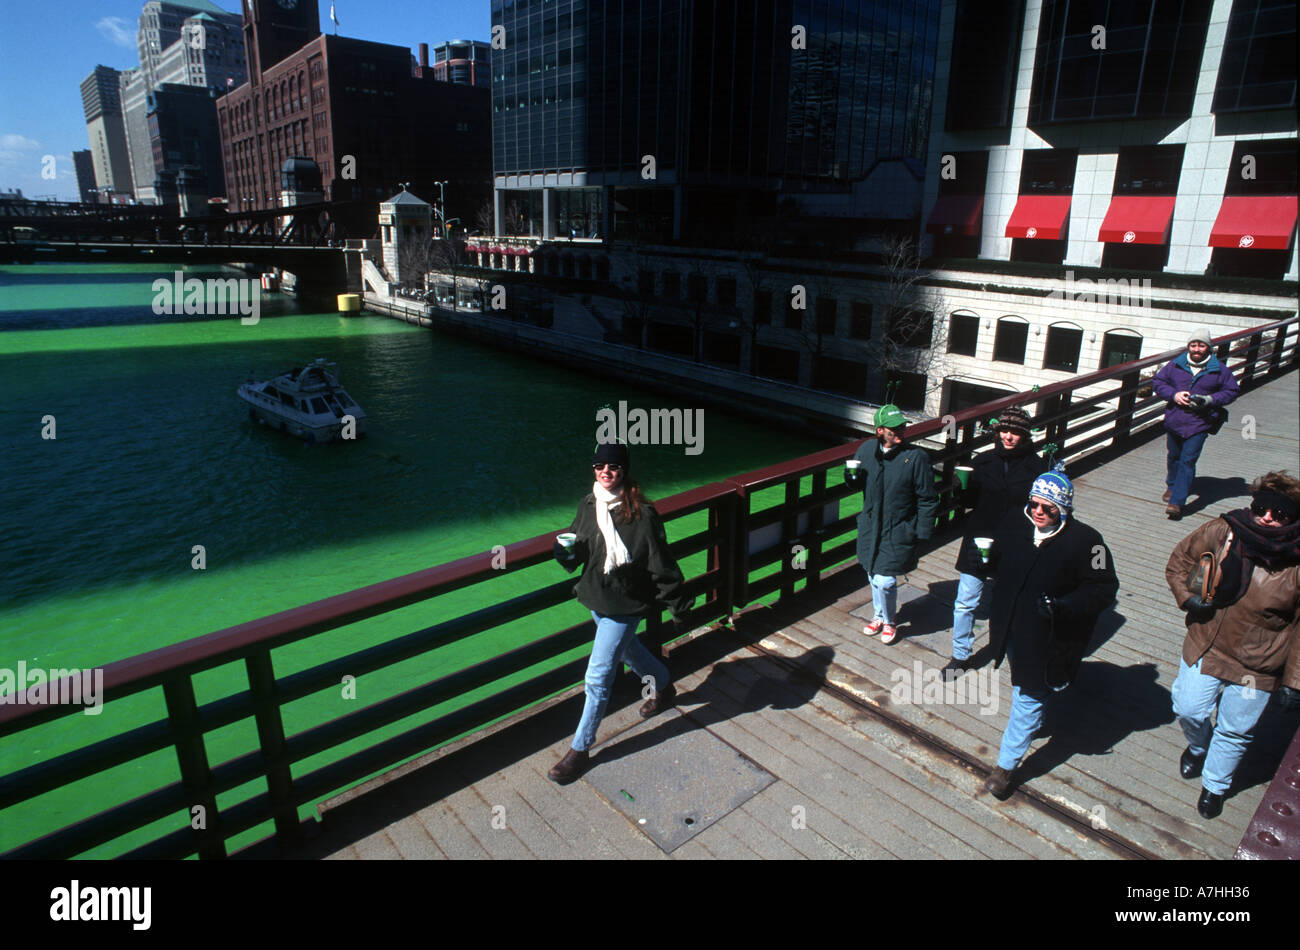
{"type": "Point", "coordinates": [1243, 641]}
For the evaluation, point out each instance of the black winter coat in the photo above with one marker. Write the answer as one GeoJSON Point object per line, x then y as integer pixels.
{"type": "Point", "coordinates": [1074, 566]}
{"type": "Point", "coordinates": [899, 504]}
{"type": "Point", "coordinates": [998, 490]}
{"type": "Point", "coordinates": [649, 579]}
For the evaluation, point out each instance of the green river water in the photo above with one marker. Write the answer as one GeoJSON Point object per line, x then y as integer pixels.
{"type": "Point", "coordinates": [153, 454]}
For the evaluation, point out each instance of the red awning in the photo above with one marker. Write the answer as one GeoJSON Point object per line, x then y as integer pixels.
{"type": "Point", "coordinates": [472, 248]}
{"type": "Point", "coordinates": [1138, 219]}
{"type": "Point", "coordinates": [956, 214]}
{"type": "Point", "coordinates": [1039, 216]}
{"type": "Point", "coordinates": [1266, 222]}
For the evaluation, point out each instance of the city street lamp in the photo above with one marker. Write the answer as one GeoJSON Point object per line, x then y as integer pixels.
{"type": "Point", "coordinates": [441, 210]}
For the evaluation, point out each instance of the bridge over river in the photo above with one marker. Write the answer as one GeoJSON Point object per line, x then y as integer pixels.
{"type": "Point", "coordinates": [794, 735]}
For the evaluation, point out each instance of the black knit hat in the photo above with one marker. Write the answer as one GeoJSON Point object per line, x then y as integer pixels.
{"type": "Point", "coordinates": [1014, 419]}
{"type": "Point", "coordinates": [611, 452]}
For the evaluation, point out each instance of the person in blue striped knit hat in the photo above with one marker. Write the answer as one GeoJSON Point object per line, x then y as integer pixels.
{"type": "Point", "coordinates": [1055, 576]}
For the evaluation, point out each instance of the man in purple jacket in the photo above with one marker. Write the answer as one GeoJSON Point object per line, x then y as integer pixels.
{"type": "Point", "coordinates": [1197, 387]}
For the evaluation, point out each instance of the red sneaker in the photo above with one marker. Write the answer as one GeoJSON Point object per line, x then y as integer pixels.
{"type": "Point", "coordinates": [888, 633]}
{"type": "Point", "coordinates": [873, 627]}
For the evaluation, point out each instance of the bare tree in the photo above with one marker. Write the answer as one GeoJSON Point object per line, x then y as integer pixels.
{"type": "Point", "coordinates": [914, 326]}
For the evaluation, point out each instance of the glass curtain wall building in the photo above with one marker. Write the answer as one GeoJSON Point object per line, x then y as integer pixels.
{"type": "Point", "coordinates": [683, 119]}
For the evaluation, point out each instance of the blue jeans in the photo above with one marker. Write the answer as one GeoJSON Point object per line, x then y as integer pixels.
{"type": "Point", "coordinates": [1223, 744]}
{"type": "Point", "coordinates": [969, 590]}
{"type": "Point", "coordinates": [1181, 467]}
{"type": "Point", "coordinates": [615, 643]}
{"type": "Point", "coordinates": [884, 597]}
{"type": "Point", "coordinates": [1022, 725]}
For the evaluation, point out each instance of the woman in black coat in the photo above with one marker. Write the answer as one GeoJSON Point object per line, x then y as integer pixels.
{"type": "Point", "coordinates": [1055, 577]}
{"type": "Point", "coordinates": [996, 488]}
{"type": "Point", "coordinates": [627, 572]}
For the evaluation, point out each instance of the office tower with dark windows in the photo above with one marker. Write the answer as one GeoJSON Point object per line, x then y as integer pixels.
{"type": "Point", "coordinates": [681, 120]}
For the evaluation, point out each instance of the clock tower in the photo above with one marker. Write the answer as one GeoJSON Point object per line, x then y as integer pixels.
{"type": "Point", "coordinates": [275, 28]}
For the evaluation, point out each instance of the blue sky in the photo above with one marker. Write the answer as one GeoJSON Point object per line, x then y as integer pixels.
{"type": "Point", "coordinates": [48, 47]}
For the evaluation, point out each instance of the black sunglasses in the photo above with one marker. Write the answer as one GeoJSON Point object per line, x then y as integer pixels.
{"type": "Point", "coordinates": [1260, 511]}
{"type": "Point", "coordinates": [1045, 505]}
{"type": "Point", "coordinates": [612, 466]}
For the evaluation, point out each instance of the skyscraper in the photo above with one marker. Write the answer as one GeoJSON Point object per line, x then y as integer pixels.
{"type": "Point", "coordinates": [191, 43]}
{"type": "Point", "coordinates": [103, 109]}
{"type": "Point", "coordinates": [673, 118]}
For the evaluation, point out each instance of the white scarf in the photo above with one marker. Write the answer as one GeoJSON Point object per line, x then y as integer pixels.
{"type": "Point", "coordinates": [615, 551]}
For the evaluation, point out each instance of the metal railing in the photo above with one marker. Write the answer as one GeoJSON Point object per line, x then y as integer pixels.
{"type": "Point", "coordinates": [804, 532]}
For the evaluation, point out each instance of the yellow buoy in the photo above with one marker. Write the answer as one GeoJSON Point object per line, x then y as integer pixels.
{"type": "Point", "coordinates": [349, 303]}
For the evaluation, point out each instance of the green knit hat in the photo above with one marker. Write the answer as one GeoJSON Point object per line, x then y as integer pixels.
{"type": "Point", "coordinates": [890, 416]}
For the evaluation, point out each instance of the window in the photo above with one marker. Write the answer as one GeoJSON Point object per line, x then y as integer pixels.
{"type": "Point", "coordinates": [645, 283]}
{"type": "Point", "coordinates": [1262, 167]}
{"type": "Point", "coordinates": [1009, 344]}
{"type": "Point", "coordinates": [1258, 68]}
{"type": "Point", "coordinates": [793, 317]}
{"type": "Point", "coordinates": [911, 327]}
{"type": "Point", "coordinates": [963, 334]}
{"type": "Point", "coordinates": [1120, 346]}
{"type": "Point", "coordinates": [826, 316]}
{"type": "Point", "coordinates": [1063, 345]}
{"type": "Point", "coordinates": [697, 288]}
{"type": "Point", "coordinates": [860, 320]}
{"type": "Point", "coordinates": [672, 285]}
{"type": "Point", "coordinates": [726, 291]}
{"type": "Point", "coordinates": [1148, 170]}
{"type": "Point", "coordinates": [762, 308]}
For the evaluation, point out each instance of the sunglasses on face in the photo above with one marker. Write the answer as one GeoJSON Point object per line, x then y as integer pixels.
{"type": "Point", "coordinates": [1043, 506]}
{"type": "Point", "coordinates": [1261, 510]}
{"type": "Point", "coordinates": [612, 466]}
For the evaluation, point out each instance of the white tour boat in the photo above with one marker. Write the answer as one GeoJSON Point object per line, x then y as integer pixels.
{"type": "Point", "coordinates": [307, 402]}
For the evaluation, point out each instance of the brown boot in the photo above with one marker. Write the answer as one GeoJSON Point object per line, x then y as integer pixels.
{"type": "Point", "coordinates": [570, 767]}
{"type": "Point", "coordinates": [1173, 512]}
{"type": "Point", "coordinates": [998, 784]}
{"type": "Point", "coordinates": [664, 699]}
{"type": "Point", "coordinates": [1165, 497]}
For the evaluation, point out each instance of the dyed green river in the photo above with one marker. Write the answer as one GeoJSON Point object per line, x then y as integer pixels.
{"type": "Point", "coordinates": [152, 454]}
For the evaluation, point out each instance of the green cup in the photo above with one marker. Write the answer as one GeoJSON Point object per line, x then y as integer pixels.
{"type": "Point", "coordinates": [963, 475]}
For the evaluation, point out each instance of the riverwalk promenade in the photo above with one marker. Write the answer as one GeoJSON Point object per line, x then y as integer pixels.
{"type": "Point", "coordinates": [798, 736]}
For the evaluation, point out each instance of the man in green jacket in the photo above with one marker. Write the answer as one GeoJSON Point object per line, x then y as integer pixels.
{"type": "Point", "coordinates": [899, 505]}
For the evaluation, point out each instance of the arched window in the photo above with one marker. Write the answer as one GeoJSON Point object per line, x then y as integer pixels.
{"type": "Point", "coordinates": [1064, 342]}
{"type": "Point", "coordinates": [1120, 346]}
{"type": "Point", "coordinates": [1009, 344]}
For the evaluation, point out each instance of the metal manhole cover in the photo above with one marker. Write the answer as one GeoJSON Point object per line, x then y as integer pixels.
{"type": "Point", "coordinates": [673, 779]}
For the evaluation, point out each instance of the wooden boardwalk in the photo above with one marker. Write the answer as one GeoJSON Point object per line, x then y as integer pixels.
{"type": "Point", "coordinates": [843, 762]}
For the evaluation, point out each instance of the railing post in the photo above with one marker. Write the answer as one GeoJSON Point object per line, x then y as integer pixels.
{"type": "Point", "coordinates": [740, 549]}
{"type": "Point", "coordinates": [1128, 399]}
{"type": "Point", "coordinates": [270, 735]}
{"type": "Point", "coordinates": [1252, 357]}
{"type": "Point", "coordinates": [1279, 342]}
{"type": "Point", "coordinates": [196, 777]}
{"type": "Point", "coordinates": [813, 539]}
{"type": "Point", "coordinates": [789, 527]}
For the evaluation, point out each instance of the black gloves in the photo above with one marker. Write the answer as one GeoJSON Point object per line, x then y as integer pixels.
{"type": "Point", "coordinates": [1200, 402]}
{"type": "Point", "coordinates": [567, 557]}
{"type": "Point", "coordinates": [1046, 606]}
{"type": "Point", "coordinates": [1198, 604]}
{"type": "Point", "coordinates": [1289, 699]}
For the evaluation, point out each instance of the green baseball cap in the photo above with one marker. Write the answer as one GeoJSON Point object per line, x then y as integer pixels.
{"type": "Point", "coordinates": [890, 416]}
